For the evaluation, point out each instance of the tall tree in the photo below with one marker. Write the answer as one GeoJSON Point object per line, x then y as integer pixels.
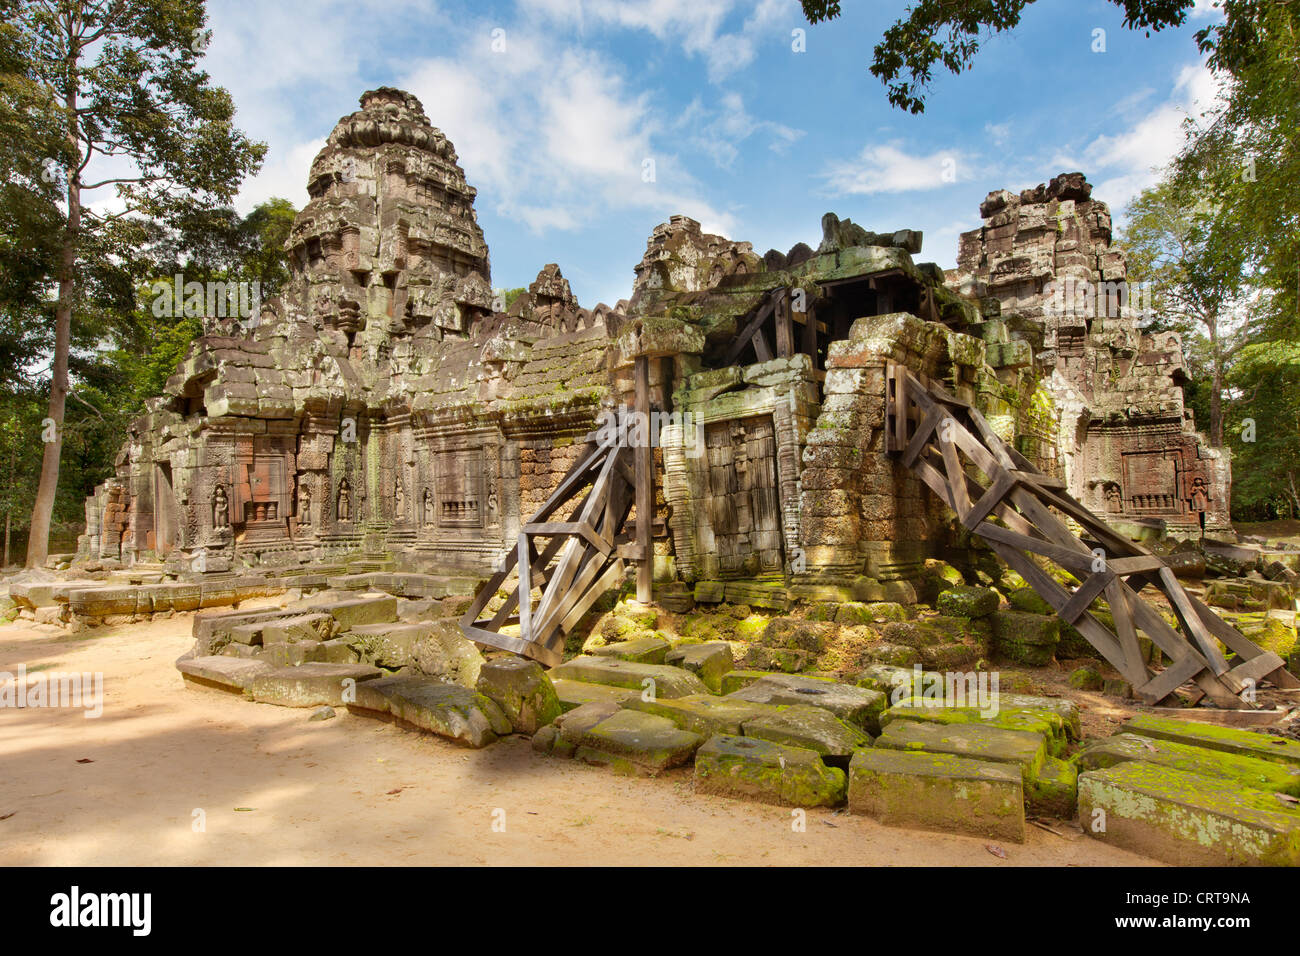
{"type": "Point", "coordinates": [1198, 290]}
{"type": "Point", "coordinates": [121, 83]}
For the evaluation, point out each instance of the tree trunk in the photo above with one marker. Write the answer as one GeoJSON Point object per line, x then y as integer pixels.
{"type": "Point", "coordinates": [1216, 384]}
{"type": "Point", "coordinates": [38, 535]}
{"type": "Point", "coordinates": [8, 518]}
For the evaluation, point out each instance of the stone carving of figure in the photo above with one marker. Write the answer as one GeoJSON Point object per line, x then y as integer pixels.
{"type": "Point", "coordinates": [345, 501]}
{"type": "Point", "coordinates": [304, 504]}
{"type": "Point", "coordinates": [399, 499]}
{"type": "Point", "coordinates": [1114, 500]}
{"type": "Point", "coordinates": [1200, 494]}
{"type": "Point", "coordinates": [428, 508]}
{"type": "Point", "coordinates": [220, 509]}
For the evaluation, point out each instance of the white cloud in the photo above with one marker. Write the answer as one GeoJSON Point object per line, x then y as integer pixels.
{"type": "Point", "coordinates": [888, 168]}
{"type": "Point", "coordinates": [1131, 160]}
{"type": "Point", "coordinates": [719, 133]}
{"type": "Point", "coordinates": [697, 25]}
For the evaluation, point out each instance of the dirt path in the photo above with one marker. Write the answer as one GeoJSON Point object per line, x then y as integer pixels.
{"type": "Point", "coordinates": [356, 791]}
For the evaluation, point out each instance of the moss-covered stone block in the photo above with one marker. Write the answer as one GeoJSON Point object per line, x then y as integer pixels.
{"type": "Point", "coordinates": [1025, 638]}
{"type": "Point", "coordinates": [813, 728]}
{"type": "Point", "coordinates": [1029, 601]}
{"type": "Point", "coordinates": [1086, 678]}
{"type": "Point", "coordinates": [761, 770]}
{"type": "Point", "coordinates": [1187, 819]}
{"type": "Point", "coordinates": [858, 706]}
{"type": "Point", "coordinates": [966, 601]}
{"type": "Point", "coordinates": [1250, 772]}
{"type": "Point", "coordinates": [1023, 748]}
{"type": "Point", "coordinates": [1246, 743]}
{"type": "Point", "coordinates": [573, 694]}
{"type": "Point", "coordinates": [710, 662]}
{"type": "Point", "coordinates": [523, 691]}
{"type": "Point", "coordinates": [632, 741]}
{"type": "Point", "coordinates": [1055, 789]}
{"type": "Point", "coordinates": [642, 650]}
{"type": "Point", "coordinates": [938, 791]}
{"type": "Point", "coordinates": [658, 680]}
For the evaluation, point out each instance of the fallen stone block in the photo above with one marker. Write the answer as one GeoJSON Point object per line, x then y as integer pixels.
{"type": "Point", "coordinates": [1035, 720]}
{"type": "Point", "coordinates": [660, 679]}
{"type": "Point", "coordinates": [1186, 819]}
{"type": "Point", "coordinates": [978, 741]}
{"type": "Point", "coordinates": [1274, 776]}
{"type": "Point", "coordinates": [641, 650]}
{"type": "Point", "coordinates": [1066, 708]}
{"type": "Point", "coordinates": [1226, 739]}
{"type": "Point", "coordinates": [250, 634]}
{"type": "Point", "coordinates": [1025, 638]}
{"type": "Point", "coordinates": [369, 609]}
{"type": "Point", "coordinates": [1055, 790]}
{"type": "Point", "coordinates": [300, 627]}
{"type": "Point", "coordinates": [734, 680]}
{"type": "Point", "coordinates": [785, 659]}
{"type": "Point", "coordinates": [102, 602]}
{"type": "Point", "coordinates": [573, 694]}
{"type": "Point", "coordinates": [448, 710]}
{"type": "Point", "coordinates": [522, 690]}
{"type": "Point", "coordinates": [710, 662]}
{"type": "Point", "coordinates": [291, 655]}
{"type": "Point", "coordinates": [758, 769]}
{"type": "Point", "coordinates": [853, 705]}
{"type": "Point", "coordinates": [967, 601]}
{"type": "Point", "coordinates": [212, 629]}
{"type": "Point", "coordinates": [310, 685]}
{"type": "Point", "coordinates": [702, 714]}
{"type": "Point", "coordinates": [225, 673]}
{"type": "Point", "coordinates": [938, 791]}
{"type": "Point", "coordinates": [389, 644]}
{"type": "Point", "coordinates": [802, 725]}
{"type": "Point", "coordinates": [444, 652]}
{"type": "Point", "coordinates": [637, 743]}
{"type": "Point", "coordinates": [338, 651]}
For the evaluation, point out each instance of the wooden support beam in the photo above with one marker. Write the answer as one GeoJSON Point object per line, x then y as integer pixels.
{"type": "Point", "coordinates": [784, 328]}
{"type": "Point", "coordinates": [644, 489]}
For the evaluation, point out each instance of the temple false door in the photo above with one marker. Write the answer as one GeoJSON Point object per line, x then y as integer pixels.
{"type": "Point", "coordinates": [166, 511]}
{"type": "Point", "coordinates": [744, 506]}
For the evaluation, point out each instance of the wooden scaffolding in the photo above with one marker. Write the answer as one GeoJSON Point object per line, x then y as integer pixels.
{"type": "Point", "coordinates": [1022, 514]}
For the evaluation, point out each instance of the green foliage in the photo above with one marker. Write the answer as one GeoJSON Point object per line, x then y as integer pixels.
{"type": "Point", "coordinates": [942, 33]}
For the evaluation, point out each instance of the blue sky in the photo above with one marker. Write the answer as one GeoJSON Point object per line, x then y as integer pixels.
{"type": "Point", "coordinates": [752, 138]}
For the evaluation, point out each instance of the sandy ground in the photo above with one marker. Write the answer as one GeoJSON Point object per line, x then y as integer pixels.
{"type": "Point", "coordinates": [356, 791]}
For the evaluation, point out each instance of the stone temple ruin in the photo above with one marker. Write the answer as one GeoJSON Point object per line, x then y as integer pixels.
{"type": "Point", "coordinates": [819, 420]}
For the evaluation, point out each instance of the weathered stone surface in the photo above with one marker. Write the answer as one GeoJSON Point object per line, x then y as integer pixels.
{"type": "Point", "coordinates": [391, 645]}
{"type": "Point", "coordinates": [369, 609]}
{"type": "Point", "coordinates": [300, 627]}
{"type": "Point", "coordinates": [1025, 638]}
{"type": "Point", "coordinates": [710, 662]}
{"type": "Point", "coordinates": [761, 770]}
{"type": "Point", "coordinates": [573, 693]}
{"type": "Point", "coordinates": [1034, 720]}
{"type": "Point", "coordinates": [802, 725]}
{"type": "Point", "coordinates": [290, 655]}
{"type": "Point", "coordinates": [642, 650]}
{"type": "Point", "coordinates": [1186, 819]}
{"type": "Point", "coordinates": [1025, 749]}
{"type": "Point", "coordinates": [310, 685]}
{"type": "Point", "coordinates": [702, 714]}
{"type": "Point", "coordinates": [1217, 764]}
{"type": "Point", "coordinates": [634, 742]}
{"type": "Point", "coordinates": [964, 601]}
{"type": "Point", "coordinates": [522, 690]}
{"type": "Point", "coordinates": [443, 651]}
{"type": "Point", "coordinates": [938, 791]}
{"type": "Point", "coordinates": [734, 680]}
{"type": "Point", "coordinates": [1229, 740]}
{"type": "Point", "coordinates": [226, 673]}
{"type": "Point", "coordinates": [664, 681]}
{"type": "Point", "coordinates": [449, 710]}
{"type": "Point", "coordinates": [1055, 790]}
{"type": "Point", "coordinates": [854, 705]}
